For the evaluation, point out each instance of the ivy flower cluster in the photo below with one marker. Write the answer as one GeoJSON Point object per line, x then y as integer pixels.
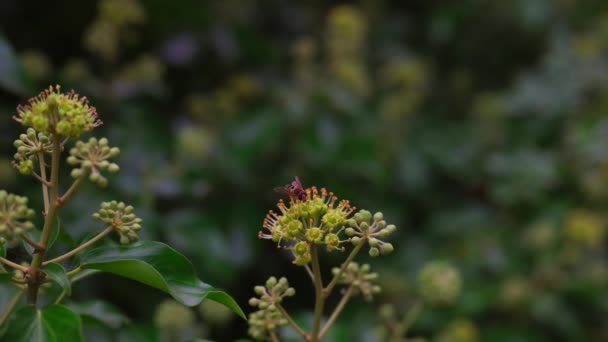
{"type": "Point", "coordinates": [439, 283]}
{"type": "Point", "coordinates": [372, 229]}
{"type": "Point", "coordinates": [29, 146]}
{"type": "Point", "coordinates": [317, 219]}
{"type": "Point", "coordinates": [268, 318]}
{"type": "Point", "coordinates": [54, 112]}
{"type": "Point", "coordinates": [91, 158]}
{"type": "Point", "coordinates": [122, 218]}
{"type": "Point", "coordinates": [360, 278]}
{"type": "Point", "coordinates": [15, 217]}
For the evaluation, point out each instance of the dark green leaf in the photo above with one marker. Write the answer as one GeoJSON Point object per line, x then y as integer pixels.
{"type": "Point", "coordinates": [100, 311]}
{"type": "Point", "coordinates": [57, 274]}
{"type": "Point", "coordinates": [54, 323]}
{"type": "Point", "coordinates": [160, 266]}
{"type": "Point", "coordinates": [3, 249]}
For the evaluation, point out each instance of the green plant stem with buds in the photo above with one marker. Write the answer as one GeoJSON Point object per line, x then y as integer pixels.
{"type": "Point", "coordinates": [80, 248]}
{"type": "Point", "coordinates": [337, 311]}
{"type": "Point", "coordinates": [349, 259]}
{"type": "Point", "coordinates": [319, 297]}
{"type": "Point", "coordinates": [34, 272]}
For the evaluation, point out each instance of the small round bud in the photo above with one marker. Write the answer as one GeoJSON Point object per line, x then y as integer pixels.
{"type": "Point", "coordinates": [378, 216]}
{"type": "Point", "coordinates": [355, 240]}
{"type": "Point", "coordinates": [290, 292]}
{"type": "Point", "coordinates": [373, 242]}
{"type": "Point", "coordinates": [254, 301]}
{"type": "Point", "coordinates": [259, 290]}
{"type": "Point", "coordinates": [374, 252]}
{"type": "Point", "coordinates": [271, 282]}
{"type": "Point", "coordinates": [386, 248]}
{"type": "Point", "coordinates": [76, 173]}
{"type": "Point", "coordinates": [349, 231]}
{"type": "Point", "coordinates": [113, 168]}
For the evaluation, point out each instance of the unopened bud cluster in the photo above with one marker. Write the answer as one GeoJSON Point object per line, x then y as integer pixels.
{"type": "Point", "coordinates": [268, 318]}
{"type": "Point", "coordinates": [92, 158]}
{"type": "Point", "coordinates": [317, 219]}
{"type": "Point", "coordinates": [371, 228]}
{"type": "Point", "coordinates": [15, 217]}
{"type": "Point", "coordinates": [172, 316]}
{"type": "Point", "coordinates": [122, 218]}
{"type": "Point", "coordinates": [439, 283]}
{"type": "Point", "coordinates": [54, 112]}
{"type": "Point", "coordinates": [29, 146]}
{"type": "Point", "coordinates": [360, 277]}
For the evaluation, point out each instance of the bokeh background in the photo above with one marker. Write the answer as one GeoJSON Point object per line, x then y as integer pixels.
{"type": "Point", "coordinates": [478, 127]}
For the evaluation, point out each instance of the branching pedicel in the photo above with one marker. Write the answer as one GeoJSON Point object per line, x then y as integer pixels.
{"type": "Point", "coordinates": [304, 226]}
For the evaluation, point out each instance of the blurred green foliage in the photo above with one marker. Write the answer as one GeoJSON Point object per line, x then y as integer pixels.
{"type": "Point", "coordinates": [478, 127]}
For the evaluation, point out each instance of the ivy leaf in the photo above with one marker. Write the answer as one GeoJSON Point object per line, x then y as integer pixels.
{"type": "Point", "coordinates": [160, 266]}
{"type": "Point", "coordinates": [54, 323]}
{"type": "Point", "coordinates": [56, 272]}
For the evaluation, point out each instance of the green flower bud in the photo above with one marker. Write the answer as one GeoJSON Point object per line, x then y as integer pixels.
{"type": "Point", "coordinates": [113, 168]}
{"type": "Point", "coordinates": [355, 240]}
{"type": "Point", "coordinates": [76, 173]}
{"type": "Point", "coordinates": [374, 252]}
{"type": "Point", "coordinates": [271, 282]}
{"type": "Point", "coordinates": [349, 231]}
{"type": "Point", "coordinates": [439, 283]}
{"type": "Point", "coordinates": [378, 216]}
{"type": "Point", "coordinates": [259, 290]}
{"type": "Point", "coordinates": [386, 248]}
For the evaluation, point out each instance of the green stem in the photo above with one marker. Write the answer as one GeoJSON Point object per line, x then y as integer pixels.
{"type": "Point", "coordinates": [47, 229]}
{"type": "Point", "coordinates": [11, 306]}
{"type": "Point", "coordinates": [292, 322]}
{"type": "Point", "coordinates": [71, 190]}
{"type": "Point", "coordinates": [81, 247]}
{"type": "Point", "coordinates": [351, 256]}
{"type": "Point", "coordinates": [337, 311]}
{"type": "Point", "coordinates": [410, 318]}
{"type": "Point", "coordinates": [29, 240]}
{"type": "Point", "coordinates": [13, 265]}
{"type": "Point", "coordinates": [319, 298]}
{"type": "Point", "coordinates": [45, 189]}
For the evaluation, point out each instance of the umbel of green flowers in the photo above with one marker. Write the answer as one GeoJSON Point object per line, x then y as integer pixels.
{"type": "Point", "coordinates": [311, 221]}
{"type": "Point", "coordinates": [320, 219]}
{"type": "Point", "coordinates": [54, 112]}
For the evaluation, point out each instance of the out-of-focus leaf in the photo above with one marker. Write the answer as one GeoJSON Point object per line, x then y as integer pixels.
{"type": "Point", "coordinates": [160, 266]}
{"type": "Point", "coordinates": [11, 77]}
{"type": "Point", "coordinates": [54, 323]}
{"type": "Point", "coordinates": [100, 311]}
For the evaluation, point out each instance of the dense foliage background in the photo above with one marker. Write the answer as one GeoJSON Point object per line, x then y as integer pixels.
{"type": "Point", "coordinates": [478, 127]}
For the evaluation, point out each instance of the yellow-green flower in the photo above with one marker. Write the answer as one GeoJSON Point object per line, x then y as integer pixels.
{"type": "Point", "coordinates": [63, 114]}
